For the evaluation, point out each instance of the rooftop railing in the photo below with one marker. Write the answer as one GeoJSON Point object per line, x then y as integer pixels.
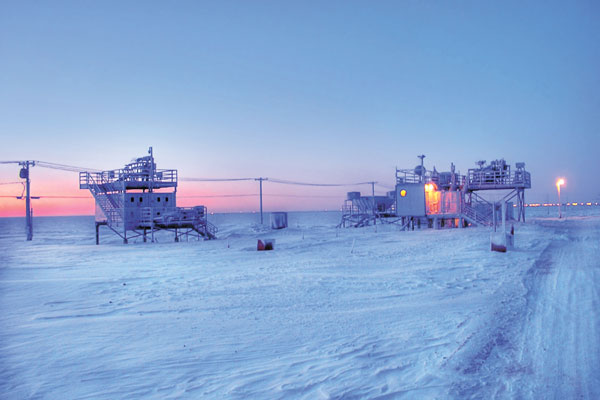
{"type": "Point", "coordinates": [161, 177]}
{"type": "Point", "coordinates": [483, 179]}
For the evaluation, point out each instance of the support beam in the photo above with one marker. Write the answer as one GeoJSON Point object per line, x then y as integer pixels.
{"type": "Point", "coordinates": [521, 202]}
{"type": "Point", "coordinates": [124, 213]}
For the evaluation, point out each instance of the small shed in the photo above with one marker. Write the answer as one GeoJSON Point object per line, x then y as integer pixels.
{"type": "Point", "coordinates": [279, 220]}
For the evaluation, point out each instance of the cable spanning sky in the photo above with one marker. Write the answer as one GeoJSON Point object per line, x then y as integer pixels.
{"type": "Point", "coordinates": [309, 91]}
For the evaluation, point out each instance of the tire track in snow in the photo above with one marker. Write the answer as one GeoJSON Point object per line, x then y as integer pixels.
{"type": "Point", "coordinates": [545, 344]}
{"type": "Point", "coordinates": [561, 336]}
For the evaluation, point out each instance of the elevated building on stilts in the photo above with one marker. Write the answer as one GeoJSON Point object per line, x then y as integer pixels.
{"type": "Point", "coordinates": [444, 199]}
{"type": "Point", "coordinates": [139, 200]}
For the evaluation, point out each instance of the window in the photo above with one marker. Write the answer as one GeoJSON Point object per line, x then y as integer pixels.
{"type": "Point", "coordinates": [158, 199]}
{"type": "Point", "coordinates": [167, 199]}
{"type": "Point", "coordinates": [132, 199]}
{"type": "Point", "coordinates": [141, 199]}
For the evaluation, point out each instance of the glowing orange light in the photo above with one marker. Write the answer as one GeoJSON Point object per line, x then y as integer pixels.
{"type": "Point", "coordinates": [560, 182]}
{"type": "Point", "coordinates": [430, 187]}
{"type": "Point", "coordinates": [402, 193]}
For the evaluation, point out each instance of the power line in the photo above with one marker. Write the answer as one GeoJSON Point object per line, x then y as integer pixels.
{"type": "Point", "coordinates": [11, 183]}
{"type": "Point", "coordinates": [48, 197]}
{"type": "Point", "coordinates": [302, 196]}
{"type": "Point", "coordinates": [64, 167]}
{"type": "Point", "coordinates": [187, 197]}
{"type": "Point", "coordinates": [217, 195]}
{"type": "Point", "coordinates": [256, 195]}
{"type": "Point", "coordinates": [385, 186]}
{"type": "Point", "coordinates": [73, 168]}
{"type": "Point", "coordinates": [275, 180]}
{"type": "Point", "coordinates": [66, 197]}
{"type": "Point", "coordinates": [215, 179]}
{"type": "Point", "coordinates": [287, 182]}
{"type": "Point", "coordinates": [51, 165]}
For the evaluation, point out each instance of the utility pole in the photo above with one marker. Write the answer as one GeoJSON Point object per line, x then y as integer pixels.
{"type": "Point", "coordinates": [24, 174]}
{"type": "Point", "coordinates": [373, 197]}
{"type": "Point", "coordinates": [260, 180]}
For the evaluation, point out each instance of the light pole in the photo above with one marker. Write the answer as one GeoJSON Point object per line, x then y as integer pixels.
{"type": "Point", "coordinates": [559, 183]}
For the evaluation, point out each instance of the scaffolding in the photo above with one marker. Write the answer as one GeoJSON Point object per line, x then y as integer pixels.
{"type": "Point", "coordinates": [361, 210]}
{"type": "Point", "coordinates": [140, 199]}
{"type": "Point", "coordinates": [498, 176]}
{"type": "Point", "coordinates": [439, 199]}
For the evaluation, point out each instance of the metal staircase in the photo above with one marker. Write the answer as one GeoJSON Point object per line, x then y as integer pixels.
{"type": "Point", "coordinates": [110, 203]}
{"type": "Point", "coordinates": [187, 218]}
{"type": "Point", "coordinates": [206, 229]}
{"type": "Point", "coordinates": [356, 213]}
{"type": "Point", "coordinates": [479, 211]}
{"type": "Point", "coordinates": [355, 220]}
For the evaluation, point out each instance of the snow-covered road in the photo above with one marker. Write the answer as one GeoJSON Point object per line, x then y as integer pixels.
{"type": "Point", "coordinates": [544, 342]}
{"type": "Point", "coordinates": [329, 314]}
{"type": "Point", "coordinates": [560, 341]}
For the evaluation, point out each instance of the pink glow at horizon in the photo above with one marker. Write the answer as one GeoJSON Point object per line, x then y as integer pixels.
{"type": "Point", "coordinates": [47, 183]}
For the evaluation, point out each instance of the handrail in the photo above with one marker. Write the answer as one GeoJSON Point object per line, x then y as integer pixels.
{"type": "Point", "coordinates": [484, 178]}
{"type": "Point", "coordinates": [409, 176]}
{"type": "Point", "coordinates": [122, 175]}
{"type": "Point", "coordinates": [111, 205]}
{"type": "Point", "coordinates": [469, 211]}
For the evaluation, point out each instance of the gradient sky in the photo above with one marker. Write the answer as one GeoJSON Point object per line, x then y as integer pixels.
{"type": "Point", "coordinates": [309, 90]}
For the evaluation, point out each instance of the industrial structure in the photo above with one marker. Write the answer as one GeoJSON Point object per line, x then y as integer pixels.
{"type": "Point", "coordinates": [439, 199]}
{"type": "Point", "coordinates": [140, 198]}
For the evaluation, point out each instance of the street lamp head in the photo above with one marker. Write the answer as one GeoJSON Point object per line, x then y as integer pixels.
{"type": "Point", "coordinates": [559, 183]}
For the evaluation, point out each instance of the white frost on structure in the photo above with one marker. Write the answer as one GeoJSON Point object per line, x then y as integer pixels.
{"type": "Point", "coordinates": [423, 314]}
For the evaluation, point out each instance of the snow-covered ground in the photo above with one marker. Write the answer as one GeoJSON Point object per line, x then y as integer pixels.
{"type": "Point", "coordinates": [331, 313]}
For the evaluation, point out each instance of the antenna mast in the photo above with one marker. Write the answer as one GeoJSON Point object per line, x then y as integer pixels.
{"type": "Point", "coordinates": [422, 156]}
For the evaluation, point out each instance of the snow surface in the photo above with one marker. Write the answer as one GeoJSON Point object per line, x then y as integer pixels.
{"type": "Point", "coordinates": [330, 313]}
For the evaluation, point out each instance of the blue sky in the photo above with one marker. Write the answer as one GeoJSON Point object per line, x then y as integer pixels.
{"type": "Point", "coordinates": [308, 90]}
